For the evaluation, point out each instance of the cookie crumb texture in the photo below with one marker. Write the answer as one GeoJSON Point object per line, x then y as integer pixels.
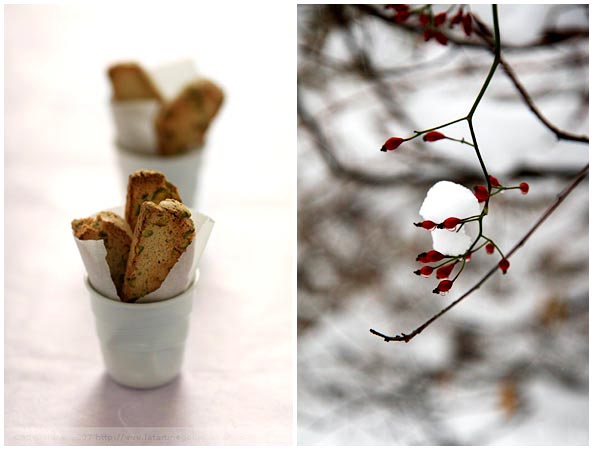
{"type": "Point", "coordinates": [147, 185]}
{"type": "Point", "coordinates": [162, 234]}
{"type": "Point", "coordinates": [117, 238]}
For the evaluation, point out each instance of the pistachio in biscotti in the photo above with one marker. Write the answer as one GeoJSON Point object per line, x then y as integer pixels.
{"type": "Point", "coordinates": [147, 185]}
{"type": "Point", "coordinates": [116, 236]}
{"type": "Point", "coordinates": [162, 234]}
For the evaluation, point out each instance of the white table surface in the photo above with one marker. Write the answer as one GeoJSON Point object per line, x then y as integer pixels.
{"type": "Point", "coordinates": [236, 385]}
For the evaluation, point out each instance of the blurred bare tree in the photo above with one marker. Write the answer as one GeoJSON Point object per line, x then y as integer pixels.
{"type": "Point", "coordinates": [499, 365]}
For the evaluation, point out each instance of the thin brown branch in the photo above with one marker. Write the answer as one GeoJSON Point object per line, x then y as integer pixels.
{"type": "Point", "coordinates": [485, 33]}
{"type": "Point", "coordinates": [548, 36]}
{"type": "Point", "coordinates": [560, 134]}
{"type": "Point", "coordinates": [561, 197]}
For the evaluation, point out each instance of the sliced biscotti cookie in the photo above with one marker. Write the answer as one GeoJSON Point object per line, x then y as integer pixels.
{"type": "Point", "coordinates": [147, 185]}
{"type": "Point", "coordinates": [87, 229]}
{"type": "Point", "coordinates": [162, 234]}
{"type": "Point", "coordinates": [117, 238]}
{"type": "Point", "coordinates": [182, 123]}
{"type": "Point", "coordinates": [130, 82]}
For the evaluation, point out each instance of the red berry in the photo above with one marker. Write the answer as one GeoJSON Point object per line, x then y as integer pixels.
{"type": "Point", "coordinates": [467, 24]}
{"type": "Point", "coordinates": [443, 287]}
{"type": "Point", "coordinates": [451, 223]}
{"type": "Point", "coordinates": [423, 19]}
{"type": "Point", "coordinates": [428, 35]}
{"type": "Point", "coordinates": [434, 256]}
{"type": "Point", "coordinates": [457, 17]}
{"type": "Point", "coordinates": [494, 181]}
{"type": "Point", "coordinates": [398, 7]}
{"type": "Point", "coordinates": [392, 143]}
{"type": "Point", "coordinates": [432, 136]}
{"type": "Point", "coordinates": [424, 271]}
{"type": "Point", "coordinates": [427, 225]}
{"type": "Point", "coordinates": [489, 248]}
{"type": "Point", "coordinates": [481, 193]}
{"type": "Point", "coordinates": [468, 257]}
{"type": "Point", "coordinates": [445, 271]}
{"type": "Point", "coordinates": [440, 19]}
{"type": "Point", "coordinates": [504, 265]}
{"type": "Point", "coordinates": [441, 38]}
{"type": "Point", "coordinates": [524, 188]}
{"type": "Point", "coordinates": [402, 16]}
{"type": "Point", "coordinates": [421, 258]}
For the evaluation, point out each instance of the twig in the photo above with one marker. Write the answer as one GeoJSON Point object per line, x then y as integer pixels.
{"type": "Point", "coordinates": [486, 34]}
{"type": "Point", "coordinates": [548, 36]}
{"type": "Point", "coordinates": [560, 134]}
{"type": "Point", "coordinates": [561, 197]}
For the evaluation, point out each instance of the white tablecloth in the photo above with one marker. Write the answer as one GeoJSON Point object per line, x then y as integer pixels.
{"type": "Point", "coordinates": [236, 384]}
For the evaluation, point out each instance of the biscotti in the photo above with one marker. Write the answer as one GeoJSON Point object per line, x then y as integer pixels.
{"type": "Point", "coordinates": [182, 123]}
{"type": "Point", "coordinates": [117, 238]}
{"type": "Point", "coordinates": [130, 82]}
{"type": "Point", "coordinates": [162, 234]}
{"type": "Point", "coordinates": [147, 185]}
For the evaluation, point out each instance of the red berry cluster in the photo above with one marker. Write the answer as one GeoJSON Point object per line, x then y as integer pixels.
{"type": "Point", "coordinates": [464, 19]}
{"type": "Point", "coordinates": [482, 194]}
{"type": "Point", "coordinates": [432, 23]}
{"type": "Point", "coordinates": [394, 142]}
{"type": "Point", "coordinates": [448, 224]}
{"type": "Point", "coordinates": [445, 268]}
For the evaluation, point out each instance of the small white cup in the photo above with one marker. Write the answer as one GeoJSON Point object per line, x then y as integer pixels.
{"type": "Point", "coordinates": [136, 144]}
{"type": "Point", "coordinates": [143, 343]}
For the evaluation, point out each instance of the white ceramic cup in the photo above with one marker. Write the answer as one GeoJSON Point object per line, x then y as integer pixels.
{"type": "Point", "coordinates": [143, 343]}
{"type": "Point", "coordinates": [136, 145]}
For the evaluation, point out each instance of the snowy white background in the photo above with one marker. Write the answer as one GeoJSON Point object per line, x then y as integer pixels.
{"type": "Point", "coordinates": [510, 364]}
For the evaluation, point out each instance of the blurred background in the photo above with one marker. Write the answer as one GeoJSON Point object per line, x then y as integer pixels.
{"type": "Point", "coordinates": [509, 365]}
{"type": "Point", "coordinates": [61, 163]}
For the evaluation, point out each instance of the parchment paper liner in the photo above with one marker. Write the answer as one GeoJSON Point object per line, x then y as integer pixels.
{"type": "Point", "coordinates": [179, 279]}
{"type": "Point", "coordinates": [134, 120]}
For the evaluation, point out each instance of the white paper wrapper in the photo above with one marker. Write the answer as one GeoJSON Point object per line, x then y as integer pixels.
{"type": "Point", "coordinates": [180, 277]}
{"type": "Point", "coordinates": [134, 120]}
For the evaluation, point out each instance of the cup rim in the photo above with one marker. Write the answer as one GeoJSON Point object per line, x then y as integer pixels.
{"type": "Point", "coordinates": [154, 154]}
{"type": "Point", "coordinates": [159, 304]}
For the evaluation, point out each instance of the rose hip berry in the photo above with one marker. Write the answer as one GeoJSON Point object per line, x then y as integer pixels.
{"type": "Point", "coordinates": [434, 256]}
{"type": "Point", "coordinates": [467, 24]}
{"type": "Point", "coordinates": [444, 286]}
{"type": "Point", "coordinates": [392, 143]}
{"type": "Point", "coordinates": [445, 271]}
{"type": "Point", "coordinates": [494, 181]}
{"type": "Point", "coordinates": [504, 265]}
{"type": "Point", "coordinates": [524, 187]}
{"type": "Point", "coordinates": [451, 223]}
{"type": "Point", "coordinates": [427, 225]}
{"type": "Point", "coordinates": [481, 193]}
{"type": "Point", "coordinates": [424, 271]}
{"type": "Point", "coordinates": [432, 136]}
{"type": "Point", "coordinates": [440, 19]}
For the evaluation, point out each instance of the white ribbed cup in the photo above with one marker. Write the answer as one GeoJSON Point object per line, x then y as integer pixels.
{"type": "Point", "coordinates": [143, 343]}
